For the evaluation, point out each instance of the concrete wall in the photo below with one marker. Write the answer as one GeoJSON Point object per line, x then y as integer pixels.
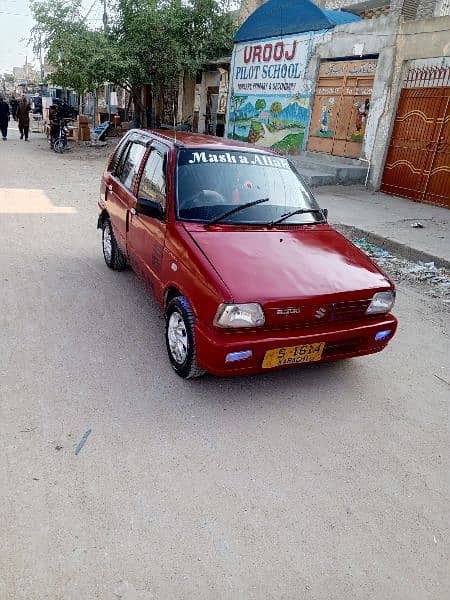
{"type": "Point", "coordinates": [378, 37]}
{"type": "Point", "coordinates": [426, 39]}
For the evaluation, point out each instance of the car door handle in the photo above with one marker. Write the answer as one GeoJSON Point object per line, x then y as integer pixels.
{"type": "Point", "coordinates": [133, 211]}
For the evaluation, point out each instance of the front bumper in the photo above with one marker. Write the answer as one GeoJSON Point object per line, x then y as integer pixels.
{"type": "Point", "coordinates": [341, 341]}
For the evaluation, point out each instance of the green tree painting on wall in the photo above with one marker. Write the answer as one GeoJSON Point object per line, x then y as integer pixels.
{"type": "Point", "coordinates": [260, 104]}
{"type": "Point", "coordinates": [236, 103]}
{"type": "Point", "coordinates": [276, 108]}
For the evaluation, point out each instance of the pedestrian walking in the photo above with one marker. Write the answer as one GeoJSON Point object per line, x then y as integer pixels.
{"type": "Point", "coordinates": [4, 118]}
{"type": "Point", "coordinates": [23, 117]}
{"type": "Point", "coordinates": [14, 102]}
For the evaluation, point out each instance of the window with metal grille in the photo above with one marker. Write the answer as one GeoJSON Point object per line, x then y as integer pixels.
{"type": "Point", "coordinates": [428, 76]}
{"type": "Point", "coordinates": [409, 9]}
{"type": "Point", "coordinates": [444, 9]}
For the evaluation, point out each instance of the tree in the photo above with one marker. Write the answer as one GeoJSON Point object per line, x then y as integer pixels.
{"type": "Point", "coordinates": [160, 40]}
{"type": "Point", "coordinates": [149, 41]}
{"type": "Point", "coordinates": [276, 108]}
{"type": "Point", "coordinates": [260, 104]}
{"type": "Point", "coordinates": [79, 56]}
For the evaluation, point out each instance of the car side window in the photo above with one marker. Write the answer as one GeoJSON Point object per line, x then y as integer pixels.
{"type": "Point", "coordinates": [153, 181]}
{"type": "Point", "coordinates": [119, 160]}
{"type": "Point", "coordinates": [131, 163]}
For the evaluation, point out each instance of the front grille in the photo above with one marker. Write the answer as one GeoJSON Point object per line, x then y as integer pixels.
{"type": "Point", "coordinates": [315, 315]}
{"type": "Point", "coordinates": [345, 311]}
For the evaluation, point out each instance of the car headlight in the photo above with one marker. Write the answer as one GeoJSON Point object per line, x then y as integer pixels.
{"type": "Point", "coordinates": [239, 315]}
{"type": "Point", "coordinates": [382, 302]}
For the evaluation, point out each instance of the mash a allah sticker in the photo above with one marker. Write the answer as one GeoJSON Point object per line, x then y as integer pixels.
{"type": "Point", "coordinates": [188, 157]}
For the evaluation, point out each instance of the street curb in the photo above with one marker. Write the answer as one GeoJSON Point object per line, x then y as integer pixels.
{"type": "Point", "coordinates": [408, 252]}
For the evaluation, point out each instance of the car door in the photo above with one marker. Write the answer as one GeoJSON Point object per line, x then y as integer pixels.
{"type": "Point", "coordinates": [120, 189]}
{"type": "Point", "coordinates": [146, 235]}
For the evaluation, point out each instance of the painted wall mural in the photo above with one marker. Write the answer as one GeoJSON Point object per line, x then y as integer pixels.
{"type": "Point", "coordinates": [359, 119]}
{"type": "Point", "coordinates": [341, 107]}
{"type": "Point", "coordinates": [269, 103]}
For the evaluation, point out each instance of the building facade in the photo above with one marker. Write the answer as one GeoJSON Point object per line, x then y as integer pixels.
{"type": "Point", "coordinates": [272, 85]}
{"type": "Point", "coordinates": [362, 86]}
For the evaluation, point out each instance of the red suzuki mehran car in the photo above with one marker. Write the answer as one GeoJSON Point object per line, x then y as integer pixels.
{"type": "Point", "coordinates": [239, 255]}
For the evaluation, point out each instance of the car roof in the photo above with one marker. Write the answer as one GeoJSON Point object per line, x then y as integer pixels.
{"type": "Point", "coordinates": [188, 139]}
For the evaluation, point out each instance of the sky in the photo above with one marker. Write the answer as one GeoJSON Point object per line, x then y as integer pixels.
{"type": "Point", "coordinates": [16, 22]}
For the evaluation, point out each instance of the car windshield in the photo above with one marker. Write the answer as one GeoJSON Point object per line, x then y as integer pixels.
{"type": "Point", "coordinates": [241, 187]}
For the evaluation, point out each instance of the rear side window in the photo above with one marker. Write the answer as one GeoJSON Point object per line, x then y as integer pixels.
{"type": "Point", "coordinates": [131, 161]}
{"type": "Point", "coordinates": [113, 163]}
{"type": "Point", "coordinates": [120, 160]}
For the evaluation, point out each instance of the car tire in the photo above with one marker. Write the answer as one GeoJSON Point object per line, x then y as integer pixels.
{"type": "Point", "coordinates": [180, 338]}
{"type": "Point", "coordinates": [112, 254]}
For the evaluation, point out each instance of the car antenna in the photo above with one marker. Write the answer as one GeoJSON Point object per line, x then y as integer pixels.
{"type": "Point", "coordinates": [174, 121]}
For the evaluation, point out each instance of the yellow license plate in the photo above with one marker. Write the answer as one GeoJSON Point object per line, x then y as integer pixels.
{"type": "Point", "coordinates": [292, 355]}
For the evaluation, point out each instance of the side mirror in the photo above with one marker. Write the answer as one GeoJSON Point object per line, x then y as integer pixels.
{"type": "Point", "coordinates": [325, 212]}
{"type": "Point", "coordinates": [149, 208]}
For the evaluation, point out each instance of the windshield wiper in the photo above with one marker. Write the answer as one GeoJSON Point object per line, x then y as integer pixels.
{"type": "Point", "coordinates": [300, 211]}
{"type": "Point", "coordinates": [235, 210]}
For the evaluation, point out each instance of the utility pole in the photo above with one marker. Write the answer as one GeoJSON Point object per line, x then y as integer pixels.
{"type": "Point", "coordinates": [41, 62]}
{"type": "Point", "coordinates": [105, 29]}
{"type": "Point", "coordinates": [105, 17]}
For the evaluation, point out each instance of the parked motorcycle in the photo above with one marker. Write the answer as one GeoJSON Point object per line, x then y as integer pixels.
{"type": "Point", "coordinates": [58, 135]}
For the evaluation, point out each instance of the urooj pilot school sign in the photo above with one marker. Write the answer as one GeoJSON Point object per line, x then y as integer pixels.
{"type": "Point", "coordinates": [269, 99]}
{"type": "Point", "coordinates": [271, 65]}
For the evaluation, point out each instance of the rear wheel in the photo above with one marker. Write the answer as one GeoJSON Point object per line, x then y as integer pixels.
{"type": "Point", "coordinates": [180, 338]}
{"type": "Point", "coordinates": [113, 255]}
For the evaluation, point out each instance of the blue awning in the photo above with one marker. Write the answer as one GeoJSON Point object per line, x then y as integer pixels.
{"type": "Point", "coordinates": [285, 17]}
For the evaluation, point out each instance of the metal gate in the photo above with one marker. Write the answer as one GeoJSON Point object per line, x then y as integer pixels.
{"type": "Point", "coordinates": [341, 107]}
{"type": "Point", "coordinates": [418, 160]}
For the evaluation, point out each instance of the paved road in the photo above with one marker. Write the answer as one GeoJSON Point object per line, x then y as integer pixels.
{"type": "Point", "coordinates": [321, 483]}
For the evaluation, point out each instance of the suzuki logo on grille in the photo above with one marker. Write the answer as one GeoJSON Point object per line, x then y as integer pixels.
{"type": "Point", "coordinates": [321, 312]}
{"type": "Point", "coordinates": [294, 310]}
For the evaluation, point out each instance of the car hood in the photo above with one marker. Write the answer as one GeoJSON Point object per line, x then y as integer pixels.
{"type": "Point", "coordinates": [299, 262]}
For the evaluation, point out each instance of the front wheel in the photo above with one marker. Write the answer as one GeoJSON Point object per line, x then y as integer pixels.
{"type": "Point", "coordinates": [180, 338]}
{"type": "Point", "coordinates": [60, 145]}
